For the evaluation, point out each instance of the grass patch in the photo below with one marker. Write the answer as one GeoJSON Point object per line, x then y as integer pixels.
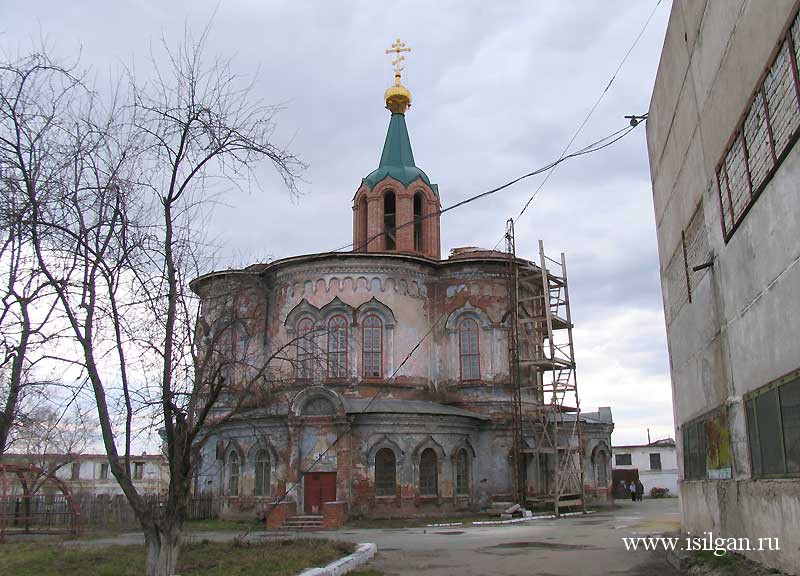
{"type": "Point", "coordinates": [730, 563]}
{"type": "Point", "coordinates": [388, 523]}
{"type": "Point", "coordinates": [276, 558]}
{"type": "Point", "coordinates": [213, 524]}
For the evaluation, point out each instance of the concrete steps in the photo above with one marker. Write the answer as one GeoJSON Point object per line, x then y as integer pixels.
{"type": "Point", "coordinates": [304, 523]}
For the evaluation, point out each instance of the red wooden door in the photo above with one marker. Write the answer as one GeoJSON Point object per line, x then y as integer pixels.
{"type": "Point", "coordinates": [318, 488]}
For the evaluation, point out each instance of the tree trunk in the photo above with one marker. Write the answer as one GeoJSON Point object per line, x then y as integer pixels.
{"type": "Point", "coordinates": [161, 547]}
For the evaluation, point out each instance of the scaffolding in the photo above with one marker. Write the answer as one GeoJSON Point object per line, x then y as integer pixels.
{"type": "Point", "coordinates": [546, 410]}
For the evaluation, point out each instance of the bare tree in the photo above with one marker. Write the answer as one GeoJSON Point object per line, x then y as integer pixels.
{"type": "Point", "coordinates": [51, 437]}
{"type": "Point", "coordinates": [117, 232]}
{"type": "Point", "coordinates": [33, 101]}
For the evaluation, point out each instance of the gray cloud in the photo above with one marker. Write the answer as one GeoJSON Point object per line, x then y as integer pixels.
{"type": "Point", "coordinates": [498, 87]}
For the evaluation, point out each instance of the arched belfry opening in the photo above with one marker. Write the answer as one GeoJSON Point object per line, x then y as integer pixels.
{"type": "Point", "coordinates": [390, 220]}
{"type": "Point", "coordinates": [419, 243]}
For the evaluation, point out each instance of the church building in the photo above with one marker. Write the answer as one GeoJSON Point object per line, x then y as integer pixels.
{"type": "Point", "coordinates": [388, 391]}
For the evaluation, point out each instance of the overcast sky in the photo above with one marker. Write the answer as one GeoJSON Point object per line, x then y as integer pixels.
{"type": "Point", "coordinates": [498, 89]}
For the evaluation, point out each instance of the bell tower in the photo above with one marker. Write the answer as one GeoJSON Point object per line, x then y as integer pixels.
{"type": "Point", "coordinates": [396, 208]}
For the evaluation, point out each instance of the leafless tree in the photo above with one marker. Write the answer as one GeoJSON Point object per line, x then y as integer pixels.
{"type": "Point", "coordinates": [52, 437]}
{"type": "Point", "coordinates": [117, 232]}
{"type": "Point", "coordinates": [33, 103]}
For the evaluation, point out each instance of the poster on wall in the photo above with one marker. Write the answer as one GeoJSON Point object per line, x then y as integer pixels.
{"type": "Point", "coordinates": [718, 447]}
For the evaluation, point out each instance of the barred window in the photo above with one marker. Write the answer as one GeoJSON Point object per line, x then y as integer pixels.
{"type": "Point", "coordinates": [305, 348]}
{"type": "Point", "coordinates": [337, 347]}
{"type": "Point", "coordinates": [233, 474]}
{"type": "Point", "coordinates": [372, 334]}
{"type": "Point", "coordinates": [694, 451]}
{"type": "Point", "coordinates": [428, 473]}
{"type": "Point", "coordinates": [622, 459]}
{"type": "Point", "coordinates": [263, 473]}
{"type": "Point", "coordinates": [762, 141]}
{"type": "Point", "coordinates": [462, 472]}
{"type": "Point", "coordinates": [469, 349]}
{"type": "Point", "coordinates": [385, 472]}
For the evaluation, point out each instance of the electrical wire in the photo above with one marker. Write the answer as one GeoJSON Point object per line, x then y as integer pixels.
{"type": "Point", "coordinates": [589, 114]}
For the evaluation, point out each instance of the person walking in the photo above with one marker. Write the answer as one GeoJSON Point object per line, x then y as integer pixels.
{"type": "Point", "coordinates": [632, 489]}
{"type": "Point", "coordinates": [639, 490]}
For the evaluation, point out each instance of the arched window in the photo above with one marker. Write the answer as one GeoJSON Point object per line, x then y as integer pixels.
{"type": "Point", "coordinates": [337, 347]}
{"type": "Point", "coordinates": [305, 348]}
{"type": "Point", "coordinates": [385, 472]}
{"type": "Point", "coordinates": [319, 406]}
{"type": "Point", "coordinates": [418, 222]}
{"type": "Point", "coordinates": [428, 473]}
{"type": "Point", "coordinates": [372, 335]}
{"type": "Point", "coordinates": [469, 349]}
{"type": "Point", "coordinates": [389, 220]}
{"type": "Point", "coordinates": [263, 473]}
{"type": "Point", "coordinates": [462, 472]}
{"type": "Point", "coordinates": [601, 469]}
{"type": "Point", "coordinates": [363, 232]}
{"type": "Point", "coordinates": [233, 473]}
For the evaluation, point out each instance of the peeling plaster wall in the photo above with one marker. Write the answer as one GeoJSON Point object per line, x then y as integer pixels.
{"type": "Point", "coordinates": [414, 297]}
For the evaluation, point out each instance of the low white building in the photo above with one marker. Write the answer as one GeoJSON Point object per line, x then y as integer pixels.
{"type": "Point", "coordinates": [656, 465]}
{"type": "Point", "coordinates": [91, 474]}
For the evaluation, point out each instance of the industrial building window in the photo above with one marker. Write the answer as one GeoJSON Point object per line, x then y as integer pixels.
{"type": "Point", "coordinates": [773, 428]}
{"type": "Point", "coordinates": [337, 347]}
{"type": "Point", "coordinates": [385, 472]}
{"type": "Point", "coordinates": [763, 139]}
{"type": "Point", "coordinates": [372, 334]}
{"type": "Point", "coordinates": [262, 473]}
{"type": "Point", "coordinates": [694, 451]}
{"type": "Point", "coordinates": [305, 348]}
{"type": "Point", "coordinates": [233, 474]}
{"type": "Point", "coordinates": [462, 472]}
{"type": "Point", "coordinates": [428, 473]}
{"type": "Point", "coordinates": [103, 471]}
{"type": "Point", "coordinates": [469, 349]}
{"type": "Point", "coordinates": [655, 461]}
{"type": "Point", "coordinates": [622, 459]}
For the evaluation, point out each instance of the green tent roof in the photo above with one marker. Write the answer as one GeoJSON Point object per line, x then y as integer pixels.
{"type": "Point", "coordinates": [397, 159]}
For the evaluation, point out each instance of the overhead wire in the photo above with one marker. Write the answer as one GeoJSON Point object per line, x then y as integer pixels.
{"type": "Point", "coordinates": [589, 114]}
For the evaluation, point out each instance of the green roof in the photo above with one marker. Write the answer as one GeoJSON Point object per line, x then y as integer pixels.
{"type": "Point", "coordinates": [397, 159]}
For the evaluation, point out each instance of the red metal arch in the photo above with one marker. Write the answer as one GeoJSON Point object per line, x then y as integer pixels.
{"type": "Point", "coordinates": [25, 476]}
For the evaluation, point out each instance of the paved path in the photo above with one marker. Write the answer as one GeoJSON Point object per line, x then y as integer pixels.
{"type": "Point", "coordinates": [571, 546]}
{"type": "Point", "coordinates": [583, 545]}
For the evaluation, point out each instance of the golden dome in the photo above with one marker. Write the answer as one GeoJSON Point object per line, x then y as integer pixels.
{"type": "Point", "coordinates": [397, 98]}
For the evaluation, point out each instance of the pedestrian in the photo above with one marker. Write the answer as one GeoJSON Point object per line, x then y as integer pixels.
{"type": "Point", "coordinates": [632, 489]}
{"type": "Point", "coordinates": [639, 490]}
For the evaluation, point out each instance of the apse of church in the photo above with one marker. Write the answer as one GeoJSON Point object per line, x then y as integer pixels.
{"type": "Point", "coordinates": [354, 423]}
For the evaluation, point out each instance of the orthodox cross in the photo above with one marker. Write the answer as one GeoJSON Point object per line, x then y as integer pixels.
{"type": "Point", "coordinates": [398, 47]}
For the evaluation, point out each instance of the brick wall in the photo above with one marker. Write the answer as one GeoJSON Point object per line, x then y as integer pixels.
{"type": "Point", "coordinates": [278, 515]}
{"type": "Point", "coordinates": [334, 514]}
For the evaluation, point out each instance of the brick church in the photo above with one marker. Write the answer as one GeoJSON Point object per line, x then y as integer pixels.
{"type": "Point", "coordinates": [389, 391]}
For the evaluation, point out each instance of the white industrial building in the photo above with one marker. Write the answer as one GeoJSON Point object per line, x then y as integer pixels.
{"type": "Point", "coordinates": [722, 133]}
